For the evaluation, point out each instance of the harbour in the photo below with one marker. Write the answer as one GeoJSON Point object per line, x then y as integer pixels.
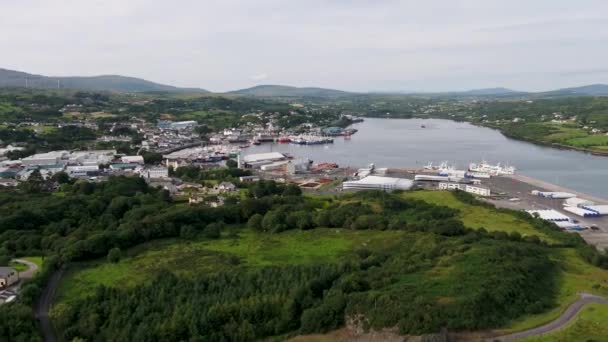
{"type": "Point", "coordinates": [403, 143]}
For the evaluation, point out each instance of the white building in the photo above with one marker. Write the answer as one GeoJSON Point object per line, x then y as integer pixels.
{"type": "Point", "coordinates": [81, 170]}
{"type": "Point", "coordinates": [378, 183]}
{"type": "Point", "coordinates": [549, 215]}
{"type": "Point", "coordinates": [225, 187]}
{"type": "Point", "coordinates": [9, 148]}
{"type": "Point", "coordinates": [49, 158]}
{"type": "Point", "coordinates": [258, 160]}
{"type": "Point", "coordinates": [132, 159]}
{"type": "Point", "coordinates": [451, 186]}
{"type": "Point", "coordinates": [156, 172]}
{"type": "Point", "coordinates": [8, 276]}
{"type": "Point", "coordinates": [477, 190]}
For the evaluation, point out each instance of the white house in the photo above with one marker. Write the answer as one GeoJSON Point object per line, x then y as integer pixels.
{"type": "Point", "coordinates": [225, 187]}
{"type": "Point", "coordinates": [8, 276]}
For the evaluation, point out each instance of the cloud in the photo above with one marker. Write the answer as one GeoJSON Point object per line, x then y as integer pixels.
{"type": "Point", "coordinates": [258, 77]}
{"type": "Point", "coordinates": [352, 45]}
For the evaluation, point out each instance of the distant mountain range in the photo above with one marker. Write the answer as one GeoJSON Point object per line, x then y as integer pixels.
{"type": "Point", "coordinates": [115, 83]}
{"type": "Point", "coordinates": [588, 90]}
{"type": "Point", "coordinates": [269, 90]}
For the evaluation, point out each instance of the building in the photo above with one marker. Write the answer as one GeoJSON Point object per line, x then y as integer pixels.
{"type": "Point", "coordinates": [224, 187]}
{"type": "Point", "coordinates": [82, 170]}
{"type": "Point", "coordinates": [256, 161]}
{"type": "Point", "coordinates": [49, 158]}
{"type": "Point", "coordinates": [549, 215]}
{"type": "Point", "coordinates": [8, 182]}
{"type": "Point", "coordinates": [8, 276]}
{"type": "Point", "coordinates": [452, 186]}
{"type": "Point", "coordinates": [132, 160]}
{"type": "Point", "coordinates": [248, 179]}
{"type": "Point", "coordinates": [10, 148]}
{"type": "Point", "coordinates": [177, 125]}
{"type": "Point", "coordinates": [473, 189]}
{"type": "Point", "coordinates": [156, 172]}
{"type": "Point", "coordinates": [378, 183]}
{"type": "Point", "coordinates": [477, 190]}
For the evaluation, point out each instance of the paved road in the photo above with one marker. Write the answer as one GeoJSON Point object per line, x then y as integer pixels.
{"type": "Point", "coordinates": [31, 270]}
{"type": "Point", "coordinates": [557, 324]}
{"type": "Point", "coordinates": [13, 290]}
{"type": "Point", "coordinates": [44, 305]}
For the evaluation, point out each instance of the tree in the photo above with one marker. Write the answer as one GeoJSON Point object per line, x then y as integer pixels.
{"type": "Point", "coordinates": [152, 157]}
{"type": "Point", "coordinates": [114, 255]}
{"type": "Point", "coordinates": [61, 178]}
{"type": "Point", "coordinates": [292, 190]}
{"type": "Point", "coordinates": [231, 163]}
{"type": "Point", "coordinates": [187, 232]}
{"type": "Point", "coordinates": [35, 183]}
{"type": "Point", "coordinates": [213, 230]}
{"type": "Point", "coordinates": [255, 222]}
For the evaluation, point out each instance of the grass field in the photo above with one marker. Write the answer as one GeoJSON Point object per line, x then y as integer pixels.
{"type": "Point", "coordinates": [21, 267]}
{"type": "Point", "coordinates": [577, 276]}
{"type": "Point", "coordinates": [577, 137]}
{"type": "Point", "coordinates": [250, 249]}
{"type": "Point", "coordinates": [591, 324]}
{"type": "Point", "coordinates": [478, 217]}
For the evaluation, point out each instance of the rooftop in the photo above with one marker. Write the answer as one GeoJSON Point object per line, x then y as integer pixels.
{"type": "Point", "coordinates": [252, 158]}
{"type": "Point", "coordinates": [6, 271]}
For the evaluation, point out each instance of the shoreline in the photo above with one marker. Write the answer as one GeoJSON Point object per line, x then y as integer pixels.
{"type": "Point", "coordinates": [552, 187]}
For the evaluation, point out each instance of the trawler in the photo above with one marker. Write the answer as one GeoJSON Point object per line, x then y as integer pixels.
{"type": "Point", "coordinates": [494, 170]}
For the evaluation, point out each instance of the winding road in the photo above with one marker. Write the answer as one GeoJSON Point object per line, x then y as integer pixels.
{"type": "Point", "coordinates": [559, 323]}
{"type": "Point", "coordinates": [32, 268]}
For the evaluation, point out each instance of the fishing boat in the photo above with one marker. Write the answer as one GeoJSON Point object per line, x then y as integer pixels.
{"type": "Point", "coordinates": [494, 170]}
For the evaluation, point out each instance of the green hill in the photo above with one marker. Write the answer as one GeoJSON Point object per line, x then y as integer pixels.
{"type": "Point", "coordinates": [115, 83]}
{"type": "Point", "coordinates": [288, 91]}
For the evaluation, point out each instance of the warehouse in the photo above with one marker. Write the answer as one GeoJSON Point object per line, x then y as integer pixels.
{"type": "Point", "coordinates": [255, 161]}
{"type": "Point", "coordinates": [549, 215]}
{"type": "Point", "coordinates": [599, 209]}
{"type": "Point", "coordinates": [378, 183]}
{"type": "Point", "coordinates": [581, 212]}
{"type": "Point", "coordinates": [577, 202]}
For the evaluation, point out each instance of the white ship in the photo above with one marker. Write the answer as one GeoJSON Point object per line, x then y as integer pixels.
{"type": "Point", "coordinates": [494, 170]}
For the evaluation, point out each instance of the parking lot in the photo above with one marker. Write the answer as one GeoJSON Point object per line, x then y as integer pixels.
{"type": "Point", "coordinates": [514, 188]}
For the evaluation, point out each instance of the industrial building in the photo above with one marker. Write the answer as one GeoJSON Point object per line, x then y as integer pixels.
{"type": "Point", "coordinates": [132, 160]}
{"type": "Point", "coordinates": [549, 215]}
{"type": "Point", "coordinates": [555, 195]}
{"type": "Point", "coordinates": [177, 125]}
{"type": "Point", "coordinates": [378, 183]}
{"type": "Point", "coordinates": [476, 190]}
{"type": "Point", "coordinates": [62, 158]}
{"type": "Point", "coordinates": [82, 170]}
{"type": "Point", "coordinates": [256, 161]}
{"type": "Point", "coordinates": [155, 172]}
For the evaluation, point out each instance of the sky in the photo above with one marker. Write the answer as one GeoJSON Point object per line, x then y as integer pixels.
{"type": "Point", "coordinates": [355, 45]}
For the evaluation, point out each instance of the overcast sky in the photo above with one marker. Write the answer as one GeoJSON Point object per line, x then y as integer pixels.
{"type": "Point", "coordinates": [360, 45]}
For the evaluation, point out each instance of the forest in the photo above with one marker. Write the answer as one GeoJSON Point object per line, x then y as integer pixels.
{"type": "Point", "coordinates": [385, 286]}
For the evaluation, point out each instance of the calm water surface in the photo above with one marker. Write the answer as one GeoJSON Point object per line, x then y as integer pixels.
{"type": "Point", "coordinates": [403, 143]}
